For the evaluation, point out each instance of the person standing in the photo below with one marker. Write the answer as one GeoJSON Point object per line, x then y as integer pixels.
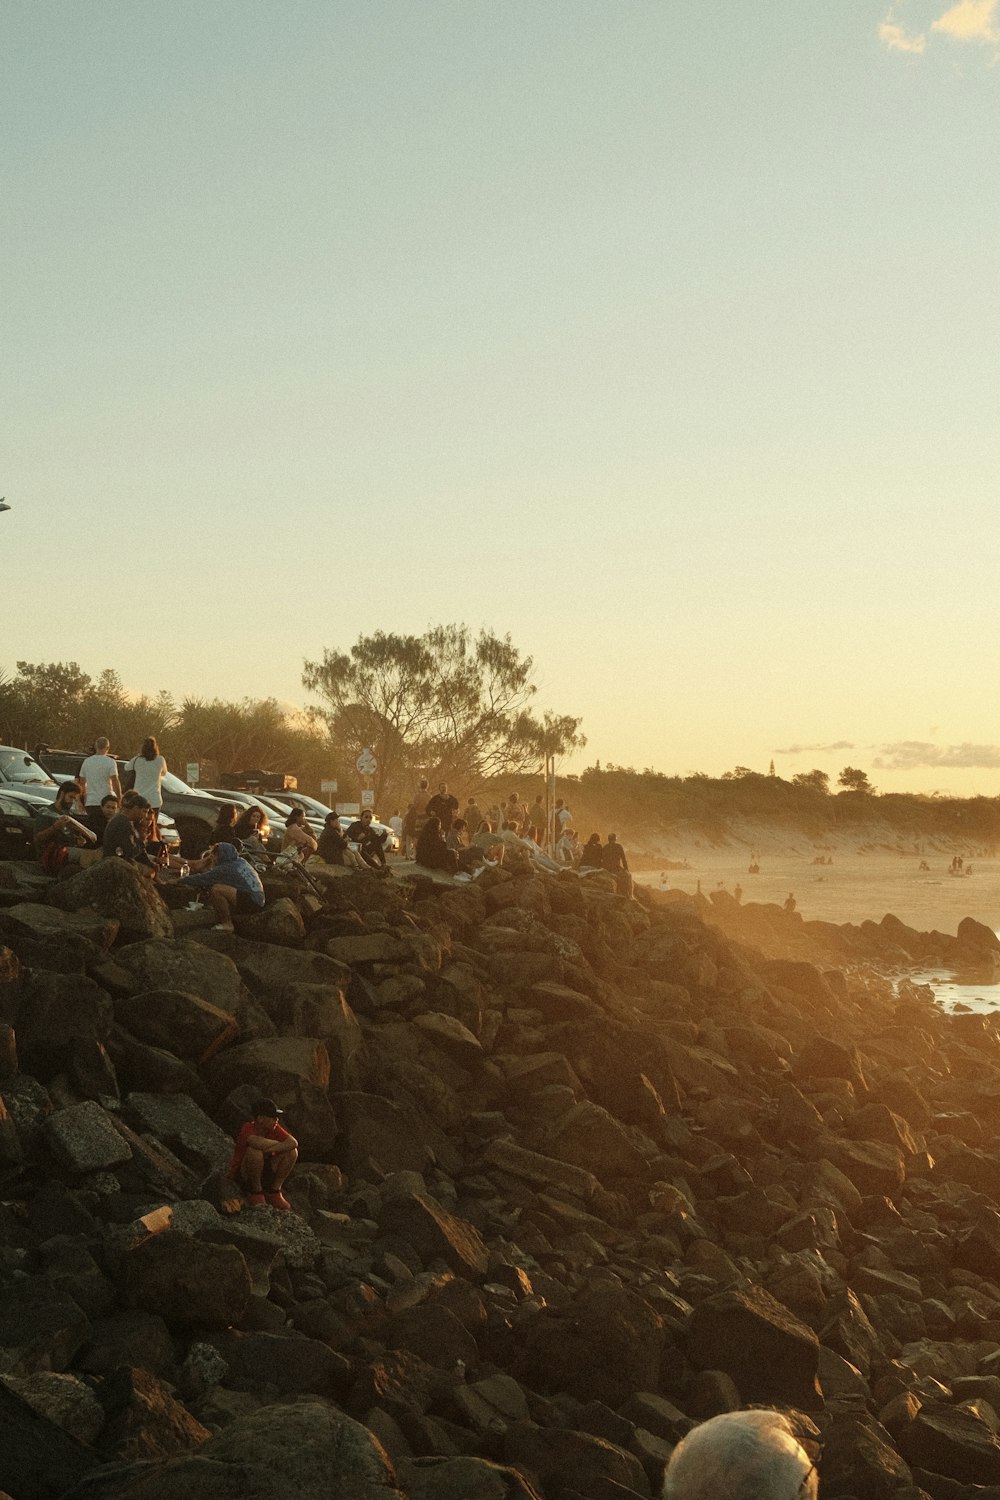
{"type": "Point", "coordinates": [443, 806]}
{"type": "Point", "coordinates": [99, 777]}
{"type": "Point", "coordinates": [614, 861]}
{"type": "Point", "coordinates": [538, 822]}
{"type": "Point", "coordinates": [149, 769]}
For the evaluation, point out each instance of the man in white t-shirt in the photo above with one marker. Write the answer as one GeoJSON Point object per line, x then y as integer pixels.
{"type": "Point", "coordinates": [99, 778]}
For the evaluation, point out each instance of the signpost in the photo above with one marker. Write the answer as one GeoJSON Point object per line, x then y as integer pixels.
{"type": "Point", "coordinates": [367, 766]}
{"type": "Point", "coordinates": [328, 785]}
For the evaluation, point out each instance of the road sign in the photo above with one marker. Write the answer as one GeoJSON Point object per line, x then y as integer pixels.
{"type": "Point", "coordinates": [367, 798]}
{"type": "Point", "coordinates": [366, 763]}
{"type": "Point", "coordinates": [328, 786]}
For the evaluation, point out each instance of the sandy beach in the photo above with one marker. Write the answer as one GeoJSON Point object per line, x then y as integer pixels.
{"type": "Point", "coordinates": [857, 886]}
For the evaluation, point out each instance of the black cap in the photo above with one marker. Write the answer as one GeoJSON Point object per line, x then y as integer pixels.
{"type": "Point", "coordinates": [267, 1107]}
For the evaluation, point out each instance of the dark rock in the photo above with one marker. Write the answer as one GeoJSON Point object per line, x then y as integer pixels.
{"type": "Point", "coordinates": [554, 1456]}
{"type": "Point", "coordinates": [463, 1478]}
{"type": "Point", "coordinates": [287, 1363]}
{"type": "Point", "coordinates": [953, 1440]}
{"type": "Point", "coordinates": [771, 1356]}
{"type": "Point", "coordinates": [309, 1450]}
{"type": "Point", "coordinates": [604, 1346]}
{"type": "Point", "coordinates": [178, 1022]}
{"type": "Point", "coordinates": [434, 1233]}
{"type": "Point", "coordinates": [188, 1283]}
{"type": "Point", "coordinates": [41, 1328]}
{"type": "Point", "coordinates": [387, 1132]}
{"type": "Point", "coordinates": [38, 1459]}
{"type": "Point", "coordinates": [83, 1138]}
{"type": "Point", "coordinates": [114, 889]}
{"type": "Point", "coordinates": [143, 1420]}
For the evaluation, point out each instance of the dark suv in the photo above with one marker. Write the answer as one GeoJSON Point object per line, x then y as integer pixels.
{"type": "Point", "coordinates": [194, 812]}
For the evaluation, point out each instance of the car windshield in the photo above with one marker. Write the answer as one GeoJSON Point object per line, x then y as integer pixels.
{"type": "Point", "coordinates": [18, 766]}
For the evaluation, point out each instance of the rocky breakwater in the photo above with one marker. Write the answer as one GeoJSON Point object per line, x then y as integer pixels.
{"type": "Point", "coordinates": [576, 1173]}
{"type": "Point", "coordinates": [888, 946]}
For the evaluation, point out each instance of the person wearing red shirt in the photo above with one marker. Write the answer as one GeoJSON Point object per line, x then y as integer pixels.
{"type": "Point", "coordinates": [264, 1155]}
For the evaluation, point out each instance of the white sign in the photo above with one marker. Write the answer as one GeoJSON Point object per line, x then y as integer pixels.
{"type": "Point", "coordinates": [366, 763]}
{"type": "Point", "coordinates": [348, 809]}
{"type": "Point", "coordinates": [367, 798]}
{"type": "Point", "coordinates": [192, 773]}
{"type": "Point", "coordinates": [328, 786]}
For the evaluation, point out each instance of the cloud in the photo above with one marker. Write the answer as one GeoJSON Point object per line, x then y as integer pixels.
{"type": "Point", "coordinates": [897, 40]}
{"type": "Point", "coordinates": [909, 755]}
{"type": "Point", "coordinates": [816, 749]}
{"type": "Point", "coordinates": [970, 21]}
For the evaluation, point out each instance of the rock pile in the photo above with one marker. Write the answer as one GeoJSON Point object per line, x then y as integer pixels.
{"type": "Point", "coordinates": [576, 1172]}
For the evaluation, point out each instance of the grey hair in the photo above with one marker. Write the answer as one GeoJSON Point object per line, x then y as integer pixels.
{"type": "Point", "coordinates": [742, 1455]}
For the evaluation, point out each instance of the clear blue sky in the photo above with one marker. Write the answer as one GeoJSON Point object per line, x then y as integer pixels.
{"type": "Point", "coordinates": [663, 336]}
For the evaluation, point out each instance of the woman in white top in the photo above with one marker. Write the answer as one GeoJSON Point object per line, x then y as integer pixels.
{"type": "Point", "coordinates": [297, 836]}
{"type": "Point", "coordinates": [150, 768]}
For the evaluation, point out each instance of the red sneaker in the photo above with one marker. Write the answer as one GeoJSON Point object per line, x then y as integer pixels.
{"type": "Point", "coordinates": [256, 1200]}
{"type": "Point", "coordinates": [278, 1200]}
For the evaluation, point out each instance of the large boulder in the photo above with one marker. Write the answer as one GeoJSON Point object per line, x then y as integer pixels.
{"type": "Point", "coordinates": [464, 1478]}
{"type": "Point", "coordinates": [588, 1136]}
{"type": "Point", "coordinates": [266, 967]}
{"type": "Point", "coordinates": [604, 1346]}
{"type": "Point", "coordinates": [83, 1138]}
{"type": "Point", "coordinates": [191, 968]}
{"type": "Point", "coordinates": [56, 1016]}
{"type": "Point", "coordinates": [114, 889]}
{"type": "Point", "coordinates": [310, 1450]}
{"type": "Point", "coordinates": [748, 1335]}
{"type": "Point", "coordinates": [188, 1283]}
{"type": "Point", "coordinates": [385, 1133]}
{"type": "Point", "coordinates": [178, 1122]}
{"type": "Point", "coordinates": [176, 1021]}
{"type": "Point", "coordinates": [34, 919]}
{"type": "Point", "coordinates": [38, 1458]}
{"type": "Point", "coordinates": [434, 1233]}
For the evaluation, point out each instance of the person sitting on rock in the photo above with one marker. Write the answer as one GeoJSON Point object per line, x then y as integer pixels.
{"type": "Point", "coordinates": [592, 857]}
{"type": "Point", "coordinates": [334, 848]}
{"type": "Point", "coordinates": [126, 833]}
{"type": "Point", "coordinates": [62, 839]}
{"type": "Point", "coordinates": [251, 833]}
{"type": "Point", "coordinates": [233, 885]}
{"type": "Point", "coordinates": [743, 1455]}
{"type": "Point", "coordinates": [614, 861]}
{"type": "Point", "coordinates": [432, 851]}
{"type": "Point", "coordinates": [297, 841]}
{"type": "Point", "coordinates": [264, 1155]}
{"type": "Point", "coordinates": [371, 843]}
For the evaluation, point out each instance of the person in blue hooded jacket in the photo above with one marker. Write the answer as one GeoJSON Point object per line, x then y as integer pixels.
{"type": "Point", "coordinates": [232, 882]}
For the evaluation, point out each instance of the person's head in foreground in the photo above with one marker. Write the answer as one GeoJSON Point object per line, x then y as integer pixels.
{"type": "Point", "coordinates": [743, 1455]}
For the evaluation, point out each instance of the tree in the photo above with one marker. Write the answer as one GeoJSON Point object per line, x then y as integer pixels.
{"type": "Point", "coordinates": [818, 780]}
{"type": "Point", "coordinates": [446, 702]}
{"type": "Point", "coordinates": [853, 780]}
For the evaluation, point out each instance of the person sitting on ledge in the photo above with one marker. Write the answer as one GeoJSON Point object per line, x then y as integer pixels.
{"type": "Point", "coordinates": [743, 1455]}
{"type": "Point", "coordinates": [126, 832]}
{"type": "Point", "coordinates": [233, 884]}
{"type": "Point", "coordinates": [432, 851]}
{"type": "Point", "coordinates": [264, 1155]}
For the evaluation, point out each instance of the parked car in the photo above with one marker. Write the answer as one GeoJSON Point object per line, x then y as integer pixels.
{"type": "Point", "coordinates": [276, 815]}
{"type": "Point", "coordinates": [21, 770]}
{"type": "Point", "coordinates": [17, 817]}
{"type": "Point", "coordinates": [187, 808]}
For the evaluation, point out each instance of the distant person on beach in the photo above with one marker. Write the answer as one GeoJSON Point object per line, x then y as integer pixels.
{"type": "Point", "coordinates": [744, 1455]}
{"type": "Point", "coordinates": [664, 882]}
{"type": "Point", "coordinates": [264, 1155]}
{"type": "Point", "coordinates": [790, 903]}
{"type": "Point", "coordinates": [737, 893]}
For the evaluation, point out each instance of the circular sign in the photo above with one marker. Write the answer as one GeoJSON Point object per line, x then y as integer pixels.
{"type": "Point", "coordinates": [366, 763]}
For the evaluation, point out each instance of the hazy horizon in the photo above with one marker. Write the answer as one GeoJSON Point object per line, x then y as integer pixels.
{"type": "Point", "coordinates": [663, 344]}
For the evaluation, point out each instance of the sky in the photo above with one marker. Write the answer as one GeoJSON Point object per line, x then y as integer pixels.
{"type": "Point", "coordinates": [662, 336]}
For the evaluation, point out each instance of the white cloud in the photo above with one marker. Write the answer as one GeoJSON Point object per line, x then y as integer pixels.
{"type": "Point", "coordinates": [970, 21]}
{"type": "Point", "coordinates": [816, 749]}
{"type": "Point", "coordinates": [897, 40]}
{"type": "Point", "coordinates": [909, 755]}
